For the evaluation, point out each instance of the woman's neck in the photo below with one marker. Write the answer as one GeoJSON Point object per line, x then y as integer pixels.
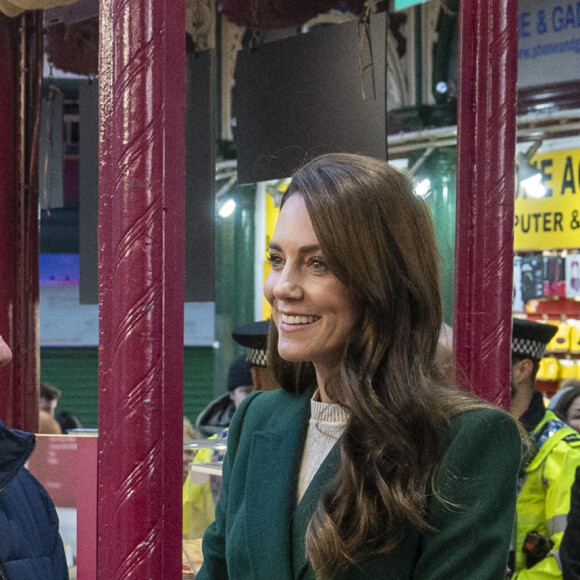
{"type": "Point", "coordinates": [321, 379]}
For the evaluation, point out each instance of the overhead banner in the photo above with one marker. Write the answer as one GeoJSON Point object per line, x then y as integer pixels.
{"type": "Point", "coordinates": [553, 221]}
{"type": "Point", "coordinates": [548, 42]}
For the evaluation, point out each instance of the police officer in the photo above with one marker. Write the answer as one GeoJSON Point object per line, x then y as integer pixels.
{"type": "Point", "coordinates": [257, 376]}
{"type": "Point", "coordinates": [254, 336]}
{"type": "Point", "coordinates": [544, 485]}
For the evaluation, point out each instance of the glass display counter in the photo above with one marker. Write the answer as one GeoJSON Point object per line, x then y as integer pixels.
{"type": "Point", "coordinates": [57, 463]}
{"type": "Point", "coordinates": [203, 460]}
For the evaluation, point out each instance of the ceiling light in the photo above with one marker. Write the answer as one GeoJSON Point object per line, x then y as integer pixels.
{"type": "Point", "coordinates": [423, 188]}
{"type": "Point", "coordinates": [227, 208]}
{"type": "Point", "coordinates": [529, 176]}
{"type": "Point", "coordinates": [533, 186]}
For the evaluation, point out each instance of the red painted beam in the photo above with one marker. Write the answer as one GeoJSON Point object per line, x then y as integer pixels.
{"type": "Point", "coordinates": [141, 271]}
{"type": "Point", "coordinates": [485, 197]}
{"type": "Point", "coordinates": [21, 48]}
{"type": "Point", "coordinates": [8, 54]}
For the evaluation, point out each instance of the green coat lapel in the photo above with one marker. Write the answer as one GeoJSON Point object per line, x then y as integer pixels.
{"type": "Point", "coordinates": [271, 488]}
{"type": "Point", "coordinates": [306, 507]}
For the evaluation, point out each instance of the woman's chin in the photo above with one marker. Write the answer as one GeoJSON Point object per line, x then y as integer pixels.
{"type": "Point", "coordinates": [291, 355]}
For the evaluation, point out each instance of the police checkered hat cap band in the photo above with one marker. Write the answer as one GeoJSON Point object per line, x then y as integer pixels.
{"type": "Point", "coordinates": [258, 357]}
{"type": "Point", "coordinates": [529, 338]}
{"type": "Point", "coordinates": [253, 334]}
{"type": "Point", "coordinates": [528, 348]}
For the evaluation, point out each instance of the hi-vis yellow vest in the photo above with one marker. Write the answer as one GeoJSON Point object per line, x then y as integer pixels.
{"type": "Point", "coordinates": [544, 500]}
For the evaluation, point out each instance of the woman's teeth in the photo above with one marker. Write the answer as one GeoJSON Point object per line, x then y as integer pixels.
{"type": "Point", "coordinates": [299, 319]}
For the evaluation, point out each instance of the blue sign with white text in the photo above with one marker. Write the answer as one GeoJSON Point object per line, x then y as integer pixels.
{"type": "Point", "coordinates": [548, 42]}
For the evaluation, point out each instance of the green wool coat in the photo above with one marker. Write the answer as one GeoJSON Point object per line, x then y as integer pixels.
{"type": "Point", "coordinates": [259, 531]}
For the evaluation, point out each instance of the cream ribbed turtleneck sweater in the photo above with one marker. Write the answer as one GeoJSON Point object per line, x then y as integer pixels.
{"type": "Point", "coordinates": [327, 422]}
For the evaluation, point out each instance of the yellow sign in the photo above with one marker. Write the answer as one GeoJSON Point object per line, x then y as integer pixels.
{"type": "Point", "coordinates": [552, 222]}
{"type": "Point", "coordinates": [272, 213]}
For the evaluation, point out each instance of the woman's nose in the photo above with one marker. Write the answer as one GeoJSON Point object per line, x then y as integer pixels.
{"type": "Point", "coordinates": [5, 352]}
{"type": "Point", "coordinates": [288, 286]}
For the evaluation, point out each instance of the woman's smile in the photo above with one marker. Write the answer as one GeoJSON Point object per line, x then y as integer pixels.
{"type": "Point", "coordinates": [298, 320]}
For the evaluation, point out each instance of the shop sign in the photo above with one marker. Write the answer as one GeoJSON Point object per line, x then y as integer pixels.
{"type": "Point", "coordinates": [548, 42]}
{"type": "Point", "coordinates": [551, 222]}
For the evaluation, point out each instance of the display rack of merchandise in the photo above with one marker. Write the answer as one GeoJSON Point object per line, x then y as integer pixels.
{"type": "Point", "coordinates": [547, 289]}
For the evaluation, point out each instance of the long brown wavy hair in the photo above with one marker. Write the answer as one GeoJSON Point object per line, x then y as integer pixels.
{"type": "Point", "coordinates": [378, 239]}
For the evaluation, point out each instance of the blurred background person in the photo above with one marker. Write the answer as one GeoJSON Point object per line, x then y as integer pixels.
{"type": "Point", "coordinates": [68, 421]}
{"type": "Point", "coordinates": [47, 403]}
{"type": "Point", "coordinates": [556, 396]}
{"type": "Point", "coordinates": [568, 405]}
{"type": "Point", "coordinates": [49, 397]}
{"type": "Point", "coordinates": [30, 543]}
{"type": "Point", "coordinates": [217, 415]}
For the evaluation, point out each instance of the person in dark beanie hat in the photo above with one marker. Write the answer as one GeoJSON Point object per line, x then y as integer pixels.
{"type": "Point", "coordinates": [217, 415]}
{"type": "Point", "coordinates": [240, 380]}
{"type": "Point", "coordinates": [254, 336]}
{"type": "Point", "coordinates": [544, 486]}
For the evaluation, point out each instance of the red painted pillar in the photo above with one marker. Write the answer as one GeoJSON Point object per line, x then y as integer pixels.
{"type": "Point", "coordinates": [8, 59]}
{"type": "Point", "coordinates": [21, 51]}
{"type": "Point", "coordinates": [485, 196]}
{"type": "Point", "coordinates": [141, 254]}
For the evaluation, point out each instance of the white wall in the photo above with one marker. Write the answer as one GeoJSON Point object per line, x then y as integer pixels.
{"type": "Point", "coordinates": [66, 322]}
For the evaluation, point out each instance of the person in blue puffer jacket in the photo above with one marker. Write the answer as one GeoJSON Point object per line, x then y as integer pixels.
{"type": "Point", "coordinates": [30, 544]}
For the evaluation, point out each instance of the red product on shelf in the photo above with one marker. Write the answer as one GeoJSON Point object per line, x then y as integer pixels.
{"type": "Point", "coordinates": [572, 275]}
{"type": "Point", "coordinates": [554, 278]}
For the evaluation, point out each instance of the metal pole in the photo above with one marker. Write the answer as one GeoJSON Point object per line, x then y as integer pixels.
{"type": "Point", "coordinates": [141, 254]}
{"type": "Point", "coordinates": [485, 197]}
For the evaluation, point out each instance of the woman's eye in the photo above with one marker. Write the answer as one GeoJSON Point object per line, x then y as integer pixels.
{"type": "Point", "coordinates": [274, 259]}
{"type": "Point", "coordinates": [318, 264]}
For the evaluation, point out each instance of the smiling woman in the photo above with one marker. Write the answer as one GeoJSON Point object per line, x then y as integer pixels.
{"type": "Point", "coordinates": [362, 465]}
{"type": "Point", "coordinates": [313, 311]}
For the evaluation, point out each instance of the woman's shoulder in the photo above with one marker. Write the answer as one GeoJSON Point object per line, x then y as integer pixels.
{"type": "Point", "coordinates": [261, 407]}
{"type": "Point", "coordinates": [484, 423]}
{"type": "Point", "coordinates": [481, 416]}
{"type": "Point", "coordinates": [480, 443]}
{"type": "Point", "coordinates": [263, 401]}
